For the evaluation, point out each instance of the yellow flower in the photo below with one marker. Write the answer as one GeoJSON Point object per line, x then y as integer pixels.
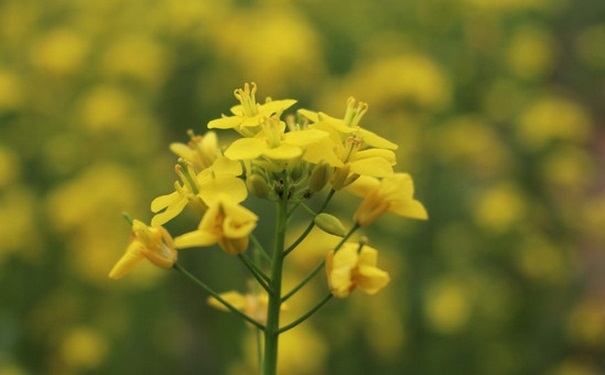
{"type": "Point", "coordinates": [249, 113]}
{"type": "Point", "coordinates": [167, 207]}
{"type": "Point", "coordinates": [153, 243]}
{"type": "Point", "coordinates": [352, 267]}
{"type": "Point", "coordinates": [275, 143]}
{"type": "Point", "coordinates": [252, 304]}
{"type": "Point", "coordinates": [360, 152]}
{"type": "Point", "coordinates": [349, 125]}
{"type": "Point", "coordinates": [200, 191]}
{"type": "Point", "coordinates": [226, 223]}
{"type": "Point", "coordinates": [393, 193]}
{"type": "Point", "coordinates": [201, 151]}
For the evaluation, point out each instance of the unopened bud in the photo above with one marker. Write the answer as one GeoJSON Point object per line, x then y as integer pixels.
{"type": "Point", "coordinates": [330, 224]}
{"type": "Point", "coordinates": [319, 177]}
{"type": "Point", "coordinates": [258, 186]}
{"type": "Point", "coordinates": [339, 177]}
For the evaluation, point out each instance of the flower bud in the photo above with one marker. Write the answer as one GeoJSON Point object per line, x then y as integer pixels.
{"type": "Point", "coordinates": [319, 177]}
{"type": "Point", "coordinates": [258, 186]}
{"type": "Point", "coordinates": [330, 224]}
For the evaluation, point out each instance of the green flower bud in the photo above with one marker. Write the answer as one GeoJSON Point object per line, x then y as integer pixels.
{"type": "Point", "coordinates": [330, 224]}
{"type": "Point", "coordinates": [258, 186]}
{"type": "Point", "coordinates": [339, 177]}
{"type": "Point", "coordinates": [319, 177]}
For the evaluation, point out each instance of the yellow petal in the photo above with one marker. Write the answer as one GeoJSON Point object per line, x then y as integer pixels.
{"type": "Point", "coordinates": [412, 208]}
{"type": "Point", "coordinates": [368, 256]}
{"type": "Point", "coordinates": [246, 148]}
{"type": "Point", "coordinates": [225, 122]}
{"type": "Point", "coordinates": [233, 187]}
{"type": "Point", "coordinates": [374, 140]}
{"type": "Point", "coordinates": [275, 107]}
{"type": "Point", "coordinates": [374, 166]}
{"type": "Point", "coordinates": [304, 138]}
{"type": "Point", "coordinates": [322, 151]}
{"type": "Point", "coordinates": [363, 185]}
{"type": "Point", "coordinates": [128, 261]}
{"type": "Point", "coordinates": [372, 279]}
{"type": "Point", "coordinates": [182, 150]}
{"type": "Point", "coordinates": [311, 115]}
{"type": "Point", "coordinates": [172, 211]}
{"type": "Point", "coordinates": [387, 155]}
{"type": "Point", "coordinates": [283, 152]}
{"type": "Point", "coordinates": [164, 201]}
{"type": "Point", "coordinates": [195, 239]}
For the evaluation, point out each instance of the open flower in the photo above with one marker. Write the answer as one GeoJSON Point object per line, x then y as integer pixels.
{"type": "Point", "coordinates": [249, 113]}
{"type": "Point", "coordinates": [275, 143]}
{"type": "Point", "coordinates": [393, 193]}
{"type": "Point", "coordinates": [354, 266]}
{"type": "Point", "coordinates": [226, 223]}
{"type": "Point", "coordinates": [152, 243]}
{"type": "Point", "coordinates": [200, 151]}
{"type": "Point", "coordinates": [360, 152]}
{"type": "Point", "coordinates": [200, 191]}
{"type": "Point", "coordinates": [349, 125]}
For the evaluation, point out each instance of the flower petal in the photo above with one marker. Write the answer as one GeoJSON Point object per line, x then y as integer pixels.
{"type": "Point", "coordinates": [128, 261]}
{"type": "Point", "coordinates": [283, 152]}
{"type": "Point", "coordinates": [195, 239]}
{"type": "Point", "coordinates": [411, 208]}
{"type": "Point", "coordinates": [373, 166]}
{"type": "Point", "coordinates": [246, 148]}
{"type": "Point", "coordinates": [229, 122]}
{"type": "Point", "coordinates": [372, 279]}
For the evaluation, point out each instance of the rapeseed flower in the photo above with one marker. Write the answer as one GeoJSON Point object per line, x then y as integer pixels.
{"type": "Point", "coordinates": [249, 113]}
{"type": "Point", "coordinates": [153, 243]}
{"type": "Point", "coordinates": [201, 190]}
{"type": "Point", "coordinates": [354, 266]}
{"type": "Point", "coordinates": [393, 194]}
{"type": "Point", "coordinates": [226, 223]}
{"type": "Point", "coordinates": [275, 143]}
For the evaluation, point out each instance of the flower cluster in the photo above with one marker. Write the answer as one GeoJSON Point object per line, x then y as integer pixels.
{"type": "Point", "coordinates": [288, 160]}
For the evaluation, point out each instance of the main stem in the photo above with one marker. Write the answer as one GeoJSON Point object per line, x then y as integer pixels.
{"type": "Point", "coordinates": [272, 326]}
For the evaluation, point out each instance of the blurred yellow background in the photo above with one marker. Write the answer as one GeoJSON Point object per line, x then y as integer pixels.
{"type": "Point", "coordinates": [497, 106]}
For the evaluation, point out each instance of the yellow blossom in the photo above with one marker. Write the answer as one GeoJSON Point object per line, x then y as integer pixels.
{"type": "Point", "coordinates": [252, 304]}
{"type": "Point", "coordinates": [393, 193]}
{"type": "Point", "coordinates": [352, 267]}
{"type": "Point", "coordinates": [359, 152]}
{"type": "Point", "coordinates": [201, 151]}
{"type": "Point", "coordinates": [226, 223]}
{"type": "Point", "coordinates": [249, 113]}
{"type": "Point", "coordinates": [349, 125]}
{"type": "Point", "coordinates": [153, 243]}
{"type": "Point", "coordinates": [201, 190]}
{"type": "Point", "coordinates": [275, 143]}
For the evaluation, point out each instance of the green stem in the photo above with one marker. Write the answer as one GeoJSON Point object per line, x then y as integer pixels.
{"type": "Point", "coordinates": [256, 272]}
{"type": "Point", "coordinates": [214, 294]}
{"type": "Point", "coordinates": [311, 225]}
{"type": "Point", "coordinates": [274, 305]}
{"type": "Point", "coordinates": [306, 315]}
{"type": "Point", "coordinates": [260, 248]}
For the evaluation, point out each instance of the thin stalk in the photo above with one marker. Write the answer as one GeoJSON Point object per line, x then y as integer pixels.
{"type": "Point", "coordinates": [274, 305]}
{"type": "Point", "coordinates": [306, 315]}
{"type": "Point", "coordinates": [260, 247]}
{"type": "Point", "coordinates": [260, 277]}
{"type": "Point", "coordinates": [311, 225]}
{"type": "Point", "coordinates": [214, 294]}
